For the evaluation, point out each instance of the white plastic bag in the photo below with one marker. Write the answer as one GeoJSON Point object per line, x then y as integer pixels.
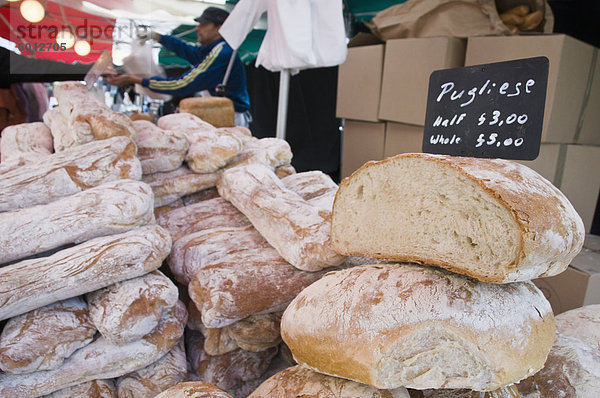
{"type": "Point", "coordinates": [141, 63]}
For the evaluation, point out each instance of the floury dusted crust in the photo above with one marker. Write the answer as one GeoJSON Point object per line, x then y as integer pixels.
{"type": "Point", "coordinates": [392, 325]}
{"type": "Point", "coordinates": [492, 219]}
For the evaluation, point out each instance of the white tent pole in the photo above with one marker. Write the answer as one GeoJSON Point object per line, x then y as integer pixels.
{"type": "Point", "coordinates": [282, 107]}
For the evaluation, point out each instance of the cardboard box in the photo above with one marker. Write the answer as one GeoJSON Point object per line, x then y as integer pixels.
{"type": "Point", "coordinates": [359, 83]}
{"type": "Point", "coordinates": [579, 285]}
{"type": "Point", "coordinates": [406, 70]}
{"type": "Point", "coordinates": [547, 161]}
{"type": "Point", "coordinates": [402, 138]}
{"type": "Point", "coordinates": [580, 181]}
{"type": "Point", "coordinates": [361, 142]}
{"type": "Point", "coordinates": [568, 75]}
{"type": "Point", "coordinates": [590, 129]}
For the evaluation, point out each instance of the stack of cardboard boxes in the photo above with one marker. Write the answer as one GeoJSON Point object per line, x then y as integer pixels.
{"type": "Point", "coordinates": [382, 95]}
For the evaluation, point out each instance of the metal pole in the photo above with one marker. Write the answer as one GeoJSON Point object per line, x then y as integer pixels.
{"type": "Point", "coordinates": [284, 88]}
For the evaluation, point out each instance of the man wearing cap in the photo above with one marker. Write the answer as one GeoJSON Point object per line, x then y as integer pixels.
{"type": "Point", "coordinates": [209, 59]}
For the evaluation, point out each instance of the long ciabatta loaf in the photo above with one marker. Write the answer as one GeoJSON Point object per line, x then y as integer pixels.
{"type": "Point", "coordinates": [298, 230]}
{"type": "Point", "coordinates": [254, 333]}
{"type": "Point", "coordinates": [199, 249]}
{"type": "Point", "coordinates": [89, 389]}
{"type": "Point", "coordinates": [100, 360]}
{"type": "Point", "coordinates": [298, 381]}
{"type": "Point", "coordinates": [193, 389]}
{"type": "Point", "coordinates": [316, 187]}
{"type": "Point", "coordinates": [90, 266]}
{"type": "Point", "coordinates": [68, 172]}
{"type": "Point", "coordinates": [159, 150]}
{"type": "Point", "coordinates": [43, 338]}
{"type": "Point", "coordinates": [571, 370]}
{"type": "Point", "coordinates": [111, 208]}
{"type": "Point", "coordinates": [63, 135]}
{"type": "Point", "coordinates": [212, 213]}
{"type": "Point", "coordinates": [269, 151]}
{"type": "Point", "coordinates": [25, 143]}
{"type": "Point", "coordinates": [582, 323]}
{"type": "Point", "coordinates": [147, 382]}
{"type": "Point", "coordinates": [226, 371]}
{"type": "Point", "coordinates": [492, 219]}
{"type": "Point", "coordinates": [128, 310]}
{"type": "Point", "coordinates": [172, 185]}
{"type": "Point", "coordinates": [392, 325]}
{"type": "Point", "coordinates": [249, 282]}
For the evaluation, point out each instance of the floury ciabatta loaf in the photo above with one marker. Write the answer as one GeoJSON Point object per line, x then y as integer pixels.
{"type": "Point", "coordinates": [193, 389]}
{"type": "Point", "coordinates": [298, 230]}
{"type": "Point", "coordinates": [492, 219]}
{"type": "Point", "coordinates": [210, 149]}
{"type": "Point", "coordinates": [85, 117]}
{"type": "Point", "coordinates": [172, 185]}
{"type": "Point", "coordinates": [41, 339]}
{"type": "Point", "coordinates": [392, 325]}
{"type": "Point", "coordinates": [582, 323]}
{"type": "Point", "coordinates": [100, 360]}
{"type": "Point", "coordinates": [25, 143]}
{"type": "Point", "coordinates": [299, 381]}
{"type": "Point", "coordinates": [89, 389]}
{"type": "Point", "coordinates": [159, 150]}
{"type": "Point", "coordinates": [571, 370]}
{"type": "Point", "coordinates": [111, 208]}
{"type": "Point", "coordinates": [68, 172]}
{"type": "Point", "coordinates": [155, 378]}
{"type": "Point", "coordinates": [80, 269]}
{"type": "Point", "coordinates": [128, 310]}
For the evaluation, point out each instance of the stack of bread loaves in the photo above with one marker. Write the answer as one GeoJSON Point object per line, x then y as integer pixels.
{"type": "Point", "coordinates": [243, 256]}
{"type": "Point", "coordinates": [453, 306]}
{"type": "Point", "coordinates": [79, 288]}
{"type": "Point", "coordinates": [208, 152]}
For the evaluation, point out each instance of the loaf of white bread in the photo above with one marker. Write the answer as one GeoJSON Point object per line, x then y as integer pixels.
{"type": "Point", "coordinates": [193, 389]}
{"type": "Point", "coordinates": [582, 323]}
{"type": "Point", "coordinates": [68, 172]}
{"type": "Point", "coordinates": [172, 185]}
{"type": "Point", "coordinates": [148, 382]}
{"type": "Point", "coordinates": [128, 310]}
{"type": "Point", "coordinates": [159, 150]}
{"type": "Point", "coordinates": [492, 219]}
{"type": "Point", "coordinates": [87, 118]}
{"type": "Point", "coordinates": [111, 208]}
{"type": "Point", "coordinates": [393, 325]}
{"type": "Point", "coordinates": [210, 149]}
{"type": "Point", "coordinates": [571, 370]}
{"type": "Point", "coordinates": [298, 230]}
{"type": "Point", "coordinates": [228, 371]}
{"type": "Point", "coordinates": [64, 136]}
{"type": "Point", "coordinates": [25, 143]}
{"type": "Point", "coordinates": [254, 333]}
{"type": "Point", "coordinates": [269, 151]}
{"type": "Point", "coordinates": [80, 269]}
{"type": "Point", "coordinates": [299, 381]}
{"type": "Point", "coordinates": [89, 389]}
{"type": "Point", "coordinates": [100, 360]}
{"type": "Point", "coordinates": [41, 339]}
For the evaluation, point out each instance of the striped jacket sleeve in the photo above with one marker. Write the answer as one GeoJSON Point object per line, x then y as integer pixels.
{"type": "Point", "coordinates": [204, 76]}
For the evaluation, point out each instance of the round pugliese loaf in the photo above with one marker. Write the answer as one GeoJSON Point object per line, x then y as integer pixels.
{"type": "Point", "coordinates": [393, 325]}
{"type": "Point", "coordinates": [299, 381]}
{"type": "Point", "coordinates": [492, 219]}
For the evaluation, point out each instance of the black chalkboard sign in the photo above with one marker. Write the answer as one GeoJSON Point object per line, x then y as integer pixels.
{"type": "Point", "coordinates": [487, 111]}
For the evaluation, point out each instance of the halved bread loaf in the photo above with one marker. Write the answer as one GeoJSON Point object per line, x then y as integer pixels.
{"type": "Point", "coordinates": [491, 219]}
{"type": "Point", "coordinates": [393, 325]}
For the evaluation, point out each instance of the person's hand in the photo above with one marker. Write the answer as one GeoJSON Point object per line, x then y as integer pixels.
{"type": "Point", "coordinates": [122, 80]}
{"type": "Point", "coordinates": [148, 35]}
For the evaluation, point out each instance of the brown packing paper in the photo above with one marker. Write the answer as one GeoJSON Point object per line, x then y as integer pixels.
{"type": "Point", "coordinates": [458, 18]}
{"type": "Point", "coordinates": [429, 18]}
